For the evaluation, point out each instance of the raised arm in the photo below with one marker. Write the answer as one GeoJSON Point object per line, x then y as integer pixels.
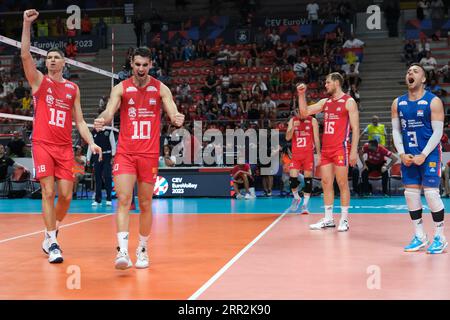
{"type": "Point", "coordinates": [170, 107]}
{"type": "Point", "coordinates": [304, 109]}
{"type": "Point", "coordinates": [83, 128]}
{"type": "Point", "coordinates": [33, 75]}
{"type": "Point", "coordinates": [111, 108]}
{"type": "Point", "coordinates": [353, 114]}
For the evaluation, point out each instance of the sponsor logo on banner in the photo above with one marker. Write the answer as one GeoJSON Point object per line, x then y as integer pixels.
{"type": "Point", "coordinates": [132, 112]}
{"type": "Point", "coordinates": [131, 89]}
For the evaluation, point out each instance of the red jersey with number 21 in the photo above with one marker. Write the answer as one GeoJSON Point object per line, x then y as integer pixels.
{"type": "Point", "coordinates": [53, 105]}
{"type": "Point", "coordinates": [140, 113]}
{"type": "Point", "coordinates": [336, 124]}
{"type": "Point", "coordinates": [302, 137]}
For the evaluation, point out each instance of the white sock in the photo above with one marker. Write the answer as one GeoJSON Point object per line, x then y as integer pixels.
{"type": "Point", "coordinates": [439, 227]}
{"type": "Point", "coordinates": [51, 236]}
{"type": "Point", "coordinates": [329, 212]}
{"type": "Point", "coordinates": [122, 239]}
{"type": "Point", "coordinates": [306, 200]}
{"type": "Point", "coordinates": [143, 241]}
{"type": "Point", "coordinates": [344, 212]}
{"type": "Point", "coordinates": [295, 194]}
{"type": "Point", "coordinates": [418, 226]}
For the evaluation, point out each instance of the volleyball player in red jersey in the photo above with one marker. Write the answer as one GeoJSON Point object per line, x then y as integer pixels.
{"type": "Point", "coordinates": [340, 115]}
{"type": "Point", "coordinates": [140, 99]}
{"type": "Point", "coordinates": [304, 133]}
{"type": "Point", "coordinates": [56, 103]}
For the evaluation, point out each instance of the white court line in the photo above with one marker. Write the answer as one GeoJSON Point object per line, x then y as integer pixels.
{"type": "Point", "coordinates": [62, 226]}
{"type": "Point", "coordinates": [219, 273]}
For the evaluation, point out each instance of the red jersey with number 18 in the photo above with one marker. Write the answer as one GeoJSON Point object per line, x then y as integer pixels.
{"type": "Point", "coordinates": [140, 118]}
{"type": "Point", "coordinates": [336, 124]}
{"type": "Point", "coordinates": [53, 105]}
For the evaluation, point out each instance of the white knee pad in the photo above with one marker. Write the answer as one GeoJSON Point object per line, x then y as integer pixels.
{"type": "Point", "coordinates": [412, 197]}
{"type": "Point", "coordinates": [434, 199]}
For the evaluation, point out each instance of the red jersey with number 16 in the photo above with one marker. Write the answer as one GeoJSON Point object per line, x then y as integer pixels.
{"type": "Point", "coordinates": [53, 105]}
{"type": "Point", "coordinates": [336, 124]}
{"type": "Point", "coordinates": [302, 137]}
{"type": "Point", "coordinates": [140, 113]}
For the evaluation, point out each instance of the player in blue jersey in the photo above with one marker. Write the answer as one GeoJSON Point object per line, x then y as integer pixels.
{"type": "Point", "coordinates": [417, 128]}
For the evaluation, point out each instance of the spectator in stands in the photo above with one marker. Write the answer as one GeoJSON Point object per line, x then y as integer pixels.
{"type": "Point", "coordinates": [253, 112]}
{"type": "Point", "coordinates": [445, 72]}
{"type": "Point", "coordinates": [86, 25]}
{"type": "Point", "coordinates": [287, 78]}
{"type": "Point", "coordinates": [423, 48]}
{"type": "Point", "coordinates": [429, 63]}
{"type": "Point", "coordinates": [235, 88]}
{"type": "Point", "coordinates": [188, 52]}
{"type": "Point", "coordinates": [261, 85]}
{"type": "Point", "coordinates": [243, 179]}
{"type": "Point", "coordinates": [376, 131]}
{"type": "Point", "coordinates": [244, 101]}
{"type": "Point", "coordinates": [304, 47]}
{"type": "Point", "coordinates": [5, 163]}
{"type": "Point", "coordinates": [225, 79]}
{"type": "Point", "coordinates": [42, 28]}
{"type": "Point", "coordinates": [435, 88]}
{"type": "Point", "coordinates": [279, 53]}
{"type": "Point", "coordinates": [437, 9]}
{"type": "Point", "coordinates": [102, 31]}
{"type": "Point", "coordinates": [3, 93]}
{"type": "Point", "coordinates": [230, 105]}
{"type": "Point", "coordinates": [201, 50]}
{"type": "Point", "coordinates": [291, 53]}
{"type": "Point", "coordinates": [301, 69]}
{"type": "Point", "coordinates": [16, 146]}
{"type": "Point", "coordinates": [353, 42]}
{"type": "Point", "coordinates": [27, 101]}
{"type": "Point", "coordinates": [352, 77]}
{"type": "Point", "coordinates": [19, 92]}
{"type": "Point", "coordinates": [420, 9]}
{"type": "Point", "coordinates": [410, 52]}
{"type": "Point", "coordinates": [78, 169]}
{"type": "Point", "coordinates": [273, 38]}
{"type": "Point", "coordinates": [354, 93]}
{"type": "Point", "coordinates": [445, 175]}
{"type": "Point", "coordinates": [376, 162]}
{"type": "Point", "coordinates": [233, 57]}
{"type": "Point", "coordinates": [220, 96]}
{"type": "Point", "coordinates": [211, 82]}
{"type": "Point", "coordinates": [222, 56]}
{"type": "Point", "coordinates": [71, 49]}
{"type": "Point", "coordinates": [40, 64]}
{"type": "Point", "coordinates": [167, 159]}
{"type": "Point", "coordinates": [102, 102]}
{"type": "Point", "coordinates": [275, 80]}
{"type": "Point", "coordinates": [57, 27]}
{"type": "Point", "coordinates": [313, 11]}
{"type": "Point", "coordinates": [184, 91]}
{"type": "Point", "coordinates": [268, 105]}
{"type": "Point", "coordinates": [255, 56]}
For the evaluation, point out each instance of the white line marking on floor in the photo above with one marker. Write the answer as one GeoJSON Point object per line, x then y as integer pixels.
{"type": "Point", "coordinates": [62, 226]}
{"type": "Point", "coordinates": [219, 273]}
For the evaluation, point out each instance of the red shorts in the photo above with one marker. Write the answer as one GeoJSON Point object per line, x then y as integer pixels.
{"type": "Point", "coordinates": [52, 160]}
{"type": "Point", "coordinates": [145, 168]}
{"type": "Point", "coordinates": [338, 157]}
{"type": "Point", "coordinates": [305, 163]}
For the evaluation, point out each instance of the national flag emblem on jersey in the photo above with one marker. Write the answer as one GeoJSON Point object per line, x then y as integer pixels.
{"type": "Point", "coordinates": [432, 164]}
{"type": "Point", "coordinates": [151, 89]}
{"type": "Point", "coordinates": [131, 101]}
{"type": "Point", "coordinates": [132, 113]}
{"type": "Point", "coordinates": [131, 89]}
{"type": "Point", "coordinates": [161, 186]}
{"type": "Point", "coordinates": [152, 101]}
{"type": "Point", "coordinates": [420, 113]}
{"type": "Point", "coordinates": [69, 96]}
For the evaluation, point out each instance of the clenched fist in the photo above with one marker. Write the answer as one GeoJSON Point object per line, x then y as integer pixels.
{"type": "Point", "coordinates": [30, 15]}
{"type": "Point", "coordinates": [301, 88]}
{"type": "Point", "coordinates": [178, 120]}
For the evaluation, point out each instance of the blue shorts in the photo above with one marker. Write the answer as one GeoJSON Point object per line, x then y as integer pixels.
{"type": "Point", "coordinates": [428, 174]}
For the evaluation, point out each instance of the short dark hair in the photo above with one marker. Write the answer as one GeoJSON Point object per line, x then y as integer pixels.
{"type": "Point", "coordinates": [143, 52]}
{"type": "Point", "coordinates": [56, 49]}
{"type": "Point", "coordinates": [336, 76]}
{"type": "Point", "coordinates": [415, 64]}
{"type": "Point", "coordinates": [373, 143]}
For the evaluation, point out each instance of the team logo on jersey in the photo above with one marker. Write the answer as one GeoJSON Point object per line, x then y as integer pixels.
{"type": "Point", "coordinates": [69, 96]}
{"type": "Point", "coordinates": [341, 100]}
{"type": "Point", "coordinates": [131, 89]}
{"type": "Point", "coordinates": [132, 112]}
{"type": "Point", "coordinates": [152, 101]}
{"type": "Point", "coordinates": [69, 85]}
{"type": "Point", "coordinates": [422, 102]}
{"type": "Point", "coordinates": [151, 89]}
{"type": "Point", "coordinates": [420, 113]}
{"type": "Point", "coordinates": [131, 101]}
{"type": "Point", "coordinates": [49, 99]}
{"type": "Point", "coordinates": [403, 103]}
{"type": "Point", "coordinates": [49, 90]}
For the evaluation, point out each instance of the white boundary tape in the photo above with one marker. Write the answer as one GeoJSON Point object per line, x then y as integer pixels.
{"type": "Point", "coordinates": [25, 118]}
{"type": "Point", "coordinates": [81, 65]}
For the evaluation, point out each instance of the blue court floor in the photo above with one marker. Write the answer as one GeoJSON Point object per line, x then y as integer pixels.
{"type": "Point", "coordinates": [260, 205]}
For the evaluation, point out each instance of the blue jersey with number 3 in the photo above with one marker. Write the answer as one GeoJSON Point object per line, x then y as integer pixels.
{"type": "Point", "coordinates": [415, 121]}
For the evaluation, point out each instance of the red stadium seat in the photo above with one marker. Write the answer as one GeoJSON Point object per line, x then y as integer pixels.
{"type": "Point", "coordinates": [254, 70]}
{"type": "Point", "coordinates": [242, 70]}
{"type": "Point", "coordinates": [177, 64]}
{"type": "Point", "coordinates": [196, 72]}
{"type": "Point", "coordinates": [188, 64]}
{"type": "Point", "coordinates": [184, 73]}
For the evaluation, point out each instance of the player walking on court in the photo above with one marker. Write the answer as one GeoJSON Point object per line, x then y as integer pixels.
{"type": "Point", "coordinates": [340, 114]}
{"type": "Point", "coordinates": [139, 99]}
{"type": "Point", "coordinates": [56, 102]}
{"type": "Point", "coordinates": [417, 128]}
{"type": "Point", "coordinates": [304, 133]}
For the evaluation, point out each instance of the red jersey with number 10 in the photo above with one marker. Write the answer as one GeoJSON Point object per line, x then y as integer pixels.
{"type": "Point", "coordinates": [302, 137]}
{"type": "Point", "coordinates": [53, 105]}
{"type": "Point", "coordinates": [336, 129]}
{"type": "Point", "coordinates": [140, 113]}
